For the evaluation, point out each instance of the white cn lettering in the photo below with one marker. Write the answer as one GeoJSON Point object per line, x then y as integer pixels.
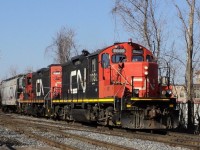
{"type": "Point", "coordinates": [83, 82]}
{"type": "Point", "coordinates": [74, 90]}
{"type": "Point", "coordinates": [79, 80]}
{"type": "Point", "coordinates": [39, 87]}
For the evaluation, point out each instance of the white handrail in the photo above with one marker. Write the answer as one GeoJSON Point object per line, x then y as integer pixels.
{"type": "Point", "coordinates": [120, 74]}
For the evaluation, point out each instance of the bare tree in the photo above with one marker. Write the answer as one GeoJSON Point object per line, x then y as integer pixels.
{"type": "Point", "coordinates": [188, 32]}
{"type": "Point", "coordinates": [62, 46]}
{"type": "Point", "coordinates": [28, 69]}
{"type": "Point", "coordinates": [139, 17]}
{"type": "Point", "coordinates": [13, 71]}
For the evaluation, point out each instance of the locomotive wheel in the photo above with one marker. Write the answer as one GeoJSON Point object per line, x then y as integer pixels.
{"type": "Point", "coordinates": [67, 115]}
{"type": "Point", "coordinates": [57, 113]}
{"type": "Point", "coordinates": [109, 115]}
{"type": "Point", "coordinates": [169, 122]}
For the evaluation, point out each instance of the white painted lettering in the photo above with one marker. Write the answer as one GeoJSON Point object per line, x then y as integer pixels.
{"type": "Point", "coordinates": [39, 87]}
{"type": "Point", "coordinates": [80, 81]}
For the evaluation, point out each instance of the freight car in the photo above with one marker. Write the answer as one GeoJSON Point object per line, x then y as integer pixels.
{"type": "Point", "coordinates": [10, 90]}
{"type": "Point", "coordinates": [119, 85]}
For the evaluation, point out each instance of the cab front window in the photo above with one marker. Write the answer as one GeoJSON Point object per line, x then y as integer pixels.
{"type": "Point", "coordinates": [137, 58]}
{"type": "Point", "coordinates": [117, 58]}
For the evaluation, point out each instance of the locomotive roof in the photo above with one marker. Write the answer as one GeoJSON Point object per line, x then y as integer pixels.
{"type": "Point", "coordinates": [42, 69]}
{"type": "Point", "coordinates": [83, 56]}
{"type": "Point", "coordinates": [17, 76]}
{"type": "Point", "coordinates": [96, 52]}
{"type": "Point", "coordinates": [53, 65]}
{"type": "Point", "coordinates": [47, 68]}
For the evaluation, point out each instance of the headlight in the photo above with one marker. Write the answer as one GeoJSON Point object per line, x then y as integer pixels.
{"type": "Point", "coordinates": [168, 93]}
{"type": "Point", "coordinates": [163, 92]}
{"type": "Point", "coordinates": [136, 92]}
{"type": "Point", "coordinates": [145, 67]}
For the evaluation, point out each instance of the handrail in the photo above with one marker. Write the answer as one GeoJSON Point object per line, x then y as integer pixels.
{"type": "Point", "coordinates": [120, 74]}
{"type": "Point", "coordinates": [46, 96]}
{"type": "Point", "coordinates": [122, 96]}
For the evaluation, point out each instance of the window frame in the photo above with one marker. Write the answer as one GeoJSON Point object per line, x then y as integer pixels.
{"type": "Point", "coordinates": [114, 55]}
{"type": "Point", "coordinates": [105, 64]}
{"type": "Point", "coordinates": [93, 65]}
{"type": "Point", "coordinates": [141, 56]}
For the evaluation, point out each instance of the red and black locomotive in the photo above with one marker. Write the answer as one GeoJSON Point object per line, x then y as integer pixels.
{"type": "Point", "coordinates": [118, 86]}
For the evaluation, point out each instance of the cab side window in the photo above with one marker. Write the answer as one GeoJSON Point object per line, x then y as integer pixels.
{"type": "Point", "coordinates": [29, 80]}
{"type": "Point", "coordinates": [93, 65]}
{"type": "Point", "coordinates": [93, 70]}
{"type": "Point", "coordinates": [105, 60]}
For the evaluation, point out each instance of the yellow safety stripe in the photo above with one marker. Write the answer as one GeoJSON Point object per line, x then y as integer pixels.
{"type": "Point", "coordinates": [150, 99]}
{"type": "Point", "coordinates": [100, 100]}
{"type": "Point", "coordinates": [105, 100]}
{"type": "Point", "coordinates": [108, 100]}
{"type": "Point", "coordinates": [31, 101]}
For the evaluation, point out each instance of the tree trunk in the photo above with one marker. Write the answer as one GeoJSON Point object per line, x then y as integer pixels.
{"type": "Point", "coordinates": [189, 71]}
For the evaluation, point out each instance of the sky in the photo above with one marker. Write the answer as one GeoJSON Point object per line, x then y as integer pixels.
{"type": "Point", "coordinates": [28, 27]}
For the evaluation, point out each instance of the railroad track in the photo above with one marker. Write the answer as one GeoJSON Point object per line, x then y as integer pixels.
{"type": "Point", "coordinates": [186, 139]}
{"type": "Point", "coordinates": [59, 128]}
{"type": "Point", "coordinates": [172, 138]}
{"type": "Point", "coordinates": [36, 130]}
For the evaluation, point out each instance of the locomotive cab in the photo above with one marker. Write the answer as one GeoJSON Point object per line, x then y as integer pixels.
{"type": "Point", "coordinates": [128, 72]}
{"type": "Point", "coordinates": [131, 65]}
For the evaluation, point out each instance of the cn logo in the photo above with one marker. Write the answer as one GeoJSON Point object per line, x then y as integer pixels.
{"type": "Point", "coordinates": [39, 87]}
{"type": "Point", "coordinates": [79, 80]}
